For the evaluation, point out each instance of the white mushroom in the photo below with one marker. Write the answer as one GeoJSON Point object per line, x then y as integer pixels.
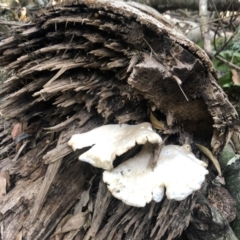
{"type": "Point", "coordinates": [133, 181]}
{"type": "Point", "coordinates": [136, 183]}
{"type": "Point", "coordinates": [110, 141]}
{"type": "Point", "coordinates": [182, 173]}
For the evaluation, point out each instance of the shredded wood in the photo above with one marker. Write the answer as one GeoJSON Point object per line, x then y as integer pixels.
{"type": "Point", "coordinates": [82, 64]}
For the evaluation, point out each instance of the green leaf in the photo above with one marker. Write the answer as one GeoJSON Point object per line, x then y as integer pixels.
{"type": "Point", "coordinates": [226, 80]}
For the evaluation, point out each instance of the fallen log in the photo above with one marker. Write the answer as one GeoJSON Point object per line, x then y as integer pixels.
{"type": "Point", "coordinates": [83, 64]}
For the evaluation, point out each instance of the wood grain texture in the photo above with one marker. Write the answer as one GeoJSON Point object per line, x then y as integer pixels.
{"type": "Point", "coordinates": [82, 64]}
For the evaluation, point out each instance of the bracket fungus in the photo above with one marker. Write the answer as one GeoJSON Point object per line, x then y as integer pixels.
{"type": "Point", "coordinates": [110, 141]}
{"type": "Point", "coordinates": [136, 183]}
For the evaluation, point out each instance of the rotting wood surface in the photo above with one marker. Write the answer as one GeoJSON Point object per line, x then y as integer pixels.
{"type": "Point", "coordinates": [82, 64]}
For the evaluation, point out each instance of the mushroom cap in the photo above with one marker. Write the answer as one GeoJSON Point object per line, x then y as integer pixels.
{"type": "Point", "coordinates": [181, 172]}
{"type": "Point", "coordinates": [136, 183]}
{"type": "Point", "coordinates": [112, 140]}
{"type": "Point", "coordinates": [133, 181]}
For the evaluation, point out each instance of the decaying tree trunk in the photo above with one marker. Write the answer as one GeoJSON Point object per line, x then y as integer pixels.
{"type": "Point", "coordinates": [83, 64]}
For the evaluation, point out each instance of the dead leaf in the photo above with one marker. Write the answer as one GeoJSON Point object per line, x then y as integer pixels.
{"type": "Point", "coordinates": [16, 130]}
{"type": "Point", "coordinates": [79, 219]}
{"type": "Point", "coordinates": [22, 15]}
{"type": "Point", "coordinates": [74, 223]}
{"type": "Point", "coordinates": [82, 202]}
{"type": "Point", "coordinates": [4, 183]}
{"type": "Point", "coordinates": [209, 154]}
{"type": "Point", "coordinates": [235, 77]}
{"type": "Point", "coordinates": [219, 181]}
{"type": "Point", "coordinates": [60, 225]}
{"type": "Point", "coordinates": [155, 123]}
{"type": "Point", "coordinates": [84, 198]}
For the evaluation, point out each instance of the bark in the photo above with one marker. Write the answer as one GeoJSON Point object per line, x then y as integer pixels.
{"type": "Point", "coordinates": [199, 228]}
{"type": "Point", "coordinates": [231, 164]}
{"type": "Point", "coordinates": [204, 19]}
{"type": "Point", "coordinates": [232, 178]}
{"type": "Point", "coordinates": [83, 64]}
{"type": "Point", "coordinates": [164, 5]}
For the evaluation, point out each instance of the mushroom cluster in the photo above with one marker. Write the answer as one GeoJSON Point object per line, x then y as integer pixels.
{"type": "Point", "coordinates": [136, 182]}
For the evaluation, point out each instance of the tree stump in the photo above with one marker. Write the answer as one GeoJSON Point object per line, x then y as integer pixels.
{"type": "Point", "coordinates": [82, 64]}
